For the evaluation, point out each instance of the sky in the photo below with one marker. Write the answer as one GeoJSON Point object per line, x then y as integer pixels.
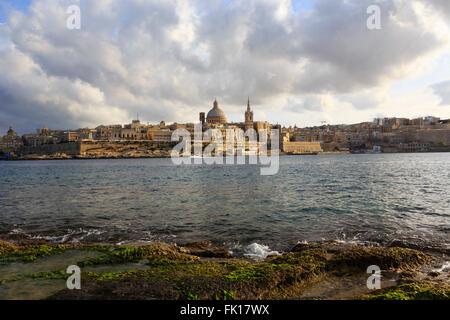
{"type": "Point", "coordinates": [302, 62]}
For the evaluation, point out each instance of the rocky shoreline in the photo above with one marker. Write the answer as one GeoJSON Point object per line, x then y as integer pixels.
{"type": "Point", "coordinates": [31, 269]}
{"type": "Point", "coordinates": [152, 155]}
{"type": "Point", "coordinates": [61, 158]}
{"type": "Point", "coordinates": [33, 157]}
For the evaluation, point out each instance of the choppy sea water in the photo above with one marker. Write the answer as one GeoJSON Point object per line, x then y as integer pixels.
{"type": "Point", "coordinates": [380, 199]}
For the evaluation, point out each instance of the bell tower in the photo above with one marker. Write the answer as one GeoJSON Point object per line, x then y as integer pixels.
{"type": "Point", "coordinates": [248, 116]}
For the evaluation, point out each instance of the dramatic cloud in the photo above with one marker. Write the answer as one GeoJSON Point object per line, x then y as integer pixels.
{"type": "Point", "coordinates": [168, 59]}
{"type": "Point", "coordinates": [441, 5]}
{"type": "Point", "coordinates": [442, 90]}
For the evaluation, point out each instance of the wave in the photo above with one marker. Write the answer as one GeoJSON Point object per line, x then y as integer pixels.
{"type": "Point", "coordinates": [258, 251]}
{"type": "Point", "coordinates": [72, 236]}
{"type": "Point", "coordinates": [444, 268]}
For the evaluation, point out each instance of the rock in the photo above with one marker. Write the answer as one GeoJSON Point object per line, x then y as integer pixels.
{"type": "Point", "coordinates": [408, 275]}
{"type": "Point", "coordinates": [22, 239]}
{"type": "Point", "coordinates": [6, 247]}
{"type": "Point", "coordinates": [332, 245]}
{"type": "Point", "coordinates": [434, 274]}
{"type": "Point", "coordinates": [299, 247]}
{"type": "Point", "coordinates": [206, 250]}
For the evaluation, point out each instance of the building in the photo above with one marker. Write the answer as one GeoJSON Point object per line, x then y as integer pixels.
{"type": "Point", "coordinates": [161, 135]}
{"type": "Point", "coordinates": [216, 115]}
{"type": "Point", "coordinates": [47, 136]}
{"type": "Point", "coordinates": [133, 131]}
{"type": "Point", "coordinates": [11, 141]}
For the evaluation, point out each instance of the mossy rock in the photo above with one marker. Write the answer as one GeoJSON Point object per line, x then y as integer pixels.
{"type": "Point", "coordinates": [206, 250]}
{"type": "Point", "coordinates": [317, 257]}
{"type": "Point", "coordinates": [172, 272]}
{"type": "Point", "coordinates": [10, 252]}
{"type": "Point", "coordinates": [412, 291]}
{"type": "Point", "coordinates": [357, 258]}
{"type": "Point", "coordinates": [155, 254]}
{"type": "Point", "coordinates": [6, 248]}
{"type": "Point", "coordinates": [354, 259]}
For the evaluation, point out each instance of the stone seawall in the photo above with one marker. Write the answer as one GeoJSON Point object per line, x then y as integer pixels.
{"type": "Point", "coordinates": [71, 149]}
{"type": "Point", "coordinates": [97, 149]}
{"type": "Point", "coordinates": [129, 149]}
{"type": "Point", "coordinates": [302, 147]}
{"type": "Point", "coordinates": [437, 137]}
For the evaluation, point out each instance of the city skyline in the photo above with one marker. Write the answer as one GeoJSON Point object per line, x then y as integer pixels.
{"type": "Point", "coordinates": [137, 119]}
{"type": "Point", "coordinates": [423, 134]}
{"type": "Point", "coordinates": [166, 61]}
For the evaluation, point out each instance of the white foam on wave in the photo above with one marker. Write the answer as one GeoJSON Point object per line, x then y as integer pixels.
{"type": "Point", "coordinates": [135, 243]}
{"type": "Point", "coordinates": [72, 235]}
{"type": "Point", "coordinates": [259, 251]}
{"type": "Point", "coordinates": [17, 231]}
{"type": "Point", "coordinates": [445, 267]}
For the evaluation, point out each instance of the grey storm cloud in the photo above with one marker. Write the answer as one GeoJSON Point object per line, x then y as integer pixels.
{"type": "Point", "coordinates": [307, 103]}
{"type": "Point", "coordinates": [441, 5]}
{"type": "Point", "coordinates": [167, 60]}
{"type": "Point", "coordinates": [442, 90]}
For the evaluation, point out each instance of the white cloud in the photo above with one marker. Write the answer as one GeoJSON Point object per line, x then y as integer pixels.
{"type": "Point", "coordinates": [169, 59]}
{"type": "Point", "coordinates": [442, 90]}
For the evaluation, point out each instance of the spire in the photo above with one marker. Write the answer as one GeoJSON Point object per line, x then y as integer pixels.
{"type": "Point", "coordinates": [248, 116]}
{"type": "Point", "coordinates": [216, 104]}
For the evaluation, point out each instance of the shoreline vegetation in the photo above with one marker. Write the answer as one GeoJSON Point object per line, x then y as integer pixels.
{"type": "Point", "coordinates": [35, 269]}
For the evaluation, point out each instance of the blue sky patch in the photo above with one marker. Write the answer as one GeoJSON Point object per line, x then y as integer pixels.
{"type": "Point", "coordinates": [298, 5]}
{"type": "Point", "coordinates": [8, 5]}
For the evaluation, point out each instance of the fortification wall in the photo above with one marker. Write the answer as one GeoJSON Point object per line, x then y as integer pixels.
{"type": "Point", "coordinates": [436, 137]}
{"type": "Point", "coordinates": [71, 149]}
{"type": "Point", "coordinates": [302, 147]}
{"type": "Point", "coordinates": [125, 148]}
{"type": "Point", "coordinates": [101, 149]}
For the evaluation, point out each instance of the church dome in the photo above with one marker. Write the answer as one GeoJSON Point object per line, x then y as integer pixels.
{"type": "Point", "coordinates": [216, 115]}
{"type": "Point", "coordinates": [11, 132]}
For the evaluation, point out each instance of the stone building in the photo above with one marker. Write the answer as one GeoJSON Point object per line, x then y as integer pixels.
{"type": "Point", "coordinates": [161, 135]}
{"type": "Point", "coordinates": [47, 136]}
{"type": "Point", "coordinates": [11, 141]}
{"type": "Point", "coordinates": [133, 131]}
{"type": "Point", "coordinates": [41, 137]}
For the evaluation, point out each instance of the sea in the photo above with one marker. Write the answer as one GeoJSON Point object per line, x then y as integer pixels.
{"type": "Point", "coordinates": [366, 199]}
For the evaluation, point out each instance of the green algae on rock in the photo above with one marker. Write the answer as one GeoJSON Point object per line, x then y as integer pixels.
{"type": "Point", "coordinates": [170, 272]}
{"type": "Point", "coordinates": [6, 247]}
{"type": "Point", "coordinates": [206, 250]}
{"type": "Point", "coordinates": [281, 277]}
{"type": "Point", "coordinates": [413, 291]}
{"type": "Point", "coordinates": [10, 252]}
